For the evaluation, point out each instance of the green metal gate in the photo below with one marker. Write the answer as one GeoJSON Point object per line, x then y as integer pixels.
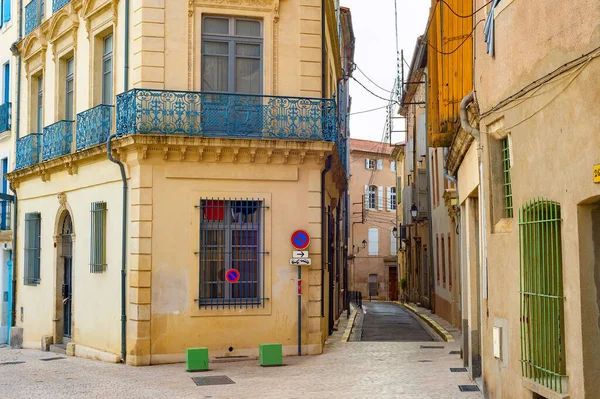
{"type": "Point", "coordinates": [542, 310]}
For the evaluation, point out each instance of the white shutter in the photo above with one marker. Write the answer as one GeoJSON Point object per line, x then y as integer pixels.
{"type": "Point", "coordinates": [421, 136]}
{"type": "Point", "coordinates": [366, 204]}
{"type": "Point", "coordinates": [373, 241]}
{"type": "Point", "coordinates": [366, 163]}
{"type": "Point", "coordinates": [393, 166]}
{"type": "Point", "coordinates": [380, 198]}
{"type": "Point", "coordinates": [393, 250]}
{"type": "Point", "coordinates": [379, 164]}
{"type": "Point", "coordinates": [389, 198]}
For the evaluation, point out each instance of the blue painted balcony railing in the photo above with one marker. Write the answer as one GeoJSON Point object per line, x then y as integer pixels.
{"type": "Point", "coordinates": [32, 16]}
{"type": "Point", "coordinates": [5, 206]}
{"type": "Point", "coordinates": [5, 117]}
{"type": "Point", "coordinates": [93, 126]}
{"type": "Point", "coordinates": [141, 111]}
{"type": "Point", "coordinates": [58, 4]}
{"type": "Point", "coordinates": [57, 140]}
{"type": "Point", "coordinates": [28, 150]}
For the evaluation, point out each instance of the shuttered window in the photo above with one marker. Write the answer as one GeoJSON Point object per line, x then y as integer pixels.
{"type": "Point", "coordinates": [374, 241]}
{"type": "Point", "coordinates": [393, 247]}
{"type": "Point", "coordinates": [98, 238]}
{"type": "Point", "coordinates": [32, 248]}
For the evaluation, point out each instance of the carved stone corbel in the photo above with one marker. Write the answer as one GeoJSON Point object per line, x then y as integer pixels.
{"type": "Point", "coordinates": [302, 156]}
{"type": "Point", "coordinates": [182, 151]}
{"type": "Point", "coordinates": [218, 154]}
{"type": "Point", "coordinates": [236, 152]}
{"type": "Point", "coordinates": [145, 152]}
{"type": "Point", "coordinates": [71, 168]}
{"type": "Point", "coordinates": [166, 153]}
{"type": "Point", "coordinates": [200, 154]}
{"type": "Point", "coordinates": [269, 155]}
{"type": "Point", "coordinates": [252, 155]}
{"type": "Point", "coordinates": [286, 155]}
{"type": "Point", "coordinates": [44, 175]}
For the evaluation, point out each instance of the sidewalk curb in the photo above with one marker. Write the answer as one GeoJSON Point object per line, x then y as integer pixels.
{"type": "Point", "coordinates": [442, 332]}
{"type": "Point", "coordinates": [349, 326]}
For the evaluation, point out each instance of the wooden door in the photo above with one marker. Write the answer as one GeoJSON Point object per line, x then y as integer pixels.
{"type": "Point", "coordinates": [393, 284]}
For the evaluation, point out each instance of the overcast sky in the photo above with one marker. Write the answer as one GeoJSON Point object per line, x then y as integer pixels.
{"type": "Point", "coordinates": [373, 22]}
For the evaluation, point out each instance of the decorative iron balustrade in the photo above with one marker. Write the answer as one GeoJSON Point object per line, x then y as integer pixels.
{"type": "Point", "coordinates": [57, 140]}
{"type": "Point", "coordinates": [141, 111]}
{"type": "Point", "coordinates": [93, 126]}
{"type": "Point", "coordinates": [32, 16]}
{"type": "Point", "coordinates": [28, 150]}
{"type": "Point", "coordinates": [5, 117]}
{"type": "Point", "coordinates": [58, 4]}
{"type": "Point", "coordinates": [5, 206]}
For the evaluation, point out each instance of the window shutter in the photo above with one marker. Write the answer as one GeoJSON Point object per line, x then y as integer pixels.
{"type": "Point", "coordinates": [6, 10]}
{"type": "Point", "coordinates": [32, 248]}
{"type": "Point", "coordinates": [98, 238]}
{"type": "Point", "coordinates": [366, 163]}
{"type": "Point", "coordinates": [379, 164]}
{"type": "Point", "coordinates": [393, 166]}
{"type": "Point", "coordinates": [373, 241]}
{"type": "Point", "coordinates": [389, 198]}
{"type": "Point", "coordinates": [366, 199]}
{"type": "Point", "coordinates": [380, 198]}
{"type": "Point", "coordinates": [393, 250]}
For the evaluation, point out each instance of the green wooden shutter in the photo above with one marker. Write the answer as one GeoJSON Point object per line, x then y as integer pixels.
{"type": "Point", "coordinates": [98, 238]}
{"type": "Point", "coordinates": [32, 248]}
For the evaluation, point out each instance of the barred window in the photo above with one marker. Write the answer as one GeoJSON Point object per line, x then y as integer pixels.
{"type": "Point", "coordinates": [231, 244]}
{"type": "Point", "coordinates": [32, 248]}
{"type": "Point", "coordinates": [98, 238]}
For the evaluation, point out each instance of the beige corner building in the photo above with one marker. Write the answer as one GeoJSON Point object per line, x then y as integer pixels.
{"type": "Point", "coordinates": [165, 153]}
{"type": "Point", "coordinates": [374, 199]}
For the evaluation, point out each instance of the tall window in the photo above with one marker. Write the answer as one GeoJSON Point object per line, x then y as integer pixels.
{"type": "Point", "coordinates": [32, 248]}
{"type": "Point", "coordinates": [40, 105]}
{"type": "Point", "coordinates": [231, 248]}
{"type": "Point", "coordinates": [449, 263]}
{"type": "Point", "coordinates": [370, 164]}
{"type": "Point", "coordinates": [542, 298]}
{"type": "Point", "coordinates": [4, 207]}
{"type": "Point", "coordinates": [231, 55]}
{"type": "Point", "coordinates": [371, 198]}
{"type": "Point", "coordinates": [107, 70]}
{"type": "Point", "coordinates": [443, 262]}
{"type": "Point", "coordinates": [6, 71]}
{"type": "Point", "coordinates": [393, 166]}
{"type": "Point", "coordinates": [508, 203]}
{"type": "Point", "coordinates": [393, 198]}
{"type": "Point", "coordinates": [437, 256]}
{"type": "Point", "coordinates": [69, 88]}
{"type": "Point", "coordinates": [373, 241]}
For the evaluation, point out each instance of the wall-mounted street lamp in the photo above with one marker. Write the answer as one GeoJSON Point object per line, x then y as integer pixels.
{"type": "Point", "coordinates": [364, 243]}
{"type": "Point", "coordinates": [395, 232]}
{"type": "Point", "coordinates": [414, 211]}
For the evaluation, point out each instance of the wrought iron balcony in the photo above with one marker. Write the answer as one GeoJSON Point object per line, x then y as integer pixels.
{"type": "Point", "coordinates": [32, 16]}
{"type": "Point", "coordinates": [5, 117]}
{"type": "Point", "coordinates": [5, 206]}
{"type": "Point", "coordinates": [93, 126]}
{"type": "Point", "coordinates": [141, 111]}
{"type": "Point", "coordinates": [57, 141]}
{"type": "Point", "coordinates": [28, 150]}
{"type": "Point", "coordinates": [58, 4]}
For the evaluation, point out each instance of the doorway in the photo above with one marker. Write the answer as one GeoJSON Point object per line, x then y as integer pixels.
{"type": "Point", "coordinates": [67, 283]}
{"type": "Point", "coordinates": [393, 283]}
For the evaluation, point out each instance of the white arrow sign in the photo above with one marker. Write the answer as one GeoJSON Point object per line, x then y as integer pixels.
{"type": "Point", "coordinates": [300, 254]}
{"type": "Point", "coordinates": [300, 262]}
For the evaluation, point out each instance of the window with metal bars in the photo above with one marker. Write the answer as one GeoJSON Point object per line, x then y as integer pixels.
{"type": "Point", "coordinates": [508, 202]}
{"type": "Point", "coordinates": [232, 248]}
{"type": "Point", "coordinates": [98, 237]}
{"type": "Point", "coordinates": [32, 248]}
{"type": "Point", "coordinates": [541, 290]}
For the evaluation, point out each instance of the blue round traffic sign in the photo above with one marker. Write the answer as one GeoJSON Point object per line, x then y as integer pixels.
{"type": "Point", "coordinates": [300, 240]}
{"type": "Point", "coordinates": [232, 276]}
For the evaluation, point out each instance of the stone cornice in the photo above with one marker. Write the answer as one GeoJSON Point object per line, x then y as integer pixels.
{"type": "Point", "coordinates": [184, 148]}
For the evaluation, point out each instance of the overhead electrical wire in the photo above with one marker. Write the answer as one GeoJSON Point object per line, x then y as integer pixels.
{"type": "Point", "coordinates": [371, 80]}
{"type": "Point", "coordinates": [367, 110]}
{"type": "Point", "coordinates": [460, 45]}
{"type": "Point", "coordinates": [373, 94]}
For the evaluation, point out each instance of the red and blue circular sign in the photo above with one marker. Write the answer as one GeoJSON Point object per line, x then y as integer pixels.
{"type": "Point", "coordinates": [300, 240]}
{"type": "Point", "coordinates": [232, 275]}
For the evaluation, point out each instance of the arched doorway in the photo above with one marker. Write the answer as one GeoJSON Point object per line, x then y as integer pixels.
{"type": "Point", "coordinates": [67, 272]}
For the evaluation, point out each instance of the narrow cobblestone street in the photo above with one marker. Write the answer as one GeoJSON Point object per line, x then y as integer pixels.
{"type": "Point", "coordinates": [388, 322]}
{"type": "Point", "coordinates": [346, 370]}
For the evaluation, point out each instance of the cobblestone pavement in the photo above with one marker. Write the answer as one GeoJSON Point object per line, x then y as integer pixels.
{"type": "Point", "coordinates": [346, 370]}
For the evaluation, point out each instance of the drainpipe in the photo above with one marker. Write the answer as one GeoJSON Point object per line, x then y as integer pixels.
{"type": "Point", "coordinates": [323, 240]}
{"type": "Point", "coordinates": [14, 50]}
{"type": "Point", "coordinates": [126, 49]}
{"type": "Point", "coordinates": [123, 248]}
{"type": "Point", "coordinates": [429, 199]}
{"type": "Point", "coordinates": [455, 181]}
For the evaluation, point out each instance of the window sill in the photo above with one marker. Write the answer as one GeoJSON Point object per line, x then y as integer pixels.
{"type": "Point", "coordinates": [4, 135]}
{"type": "Point", "coordinates": [503, 226]}
{"type": "Point", "coordinates": [542, 390]}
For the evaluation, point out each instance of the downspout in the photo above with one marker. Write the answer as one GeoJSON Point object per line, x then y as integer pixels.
{"type": "Point", "coordinates": [457, 218]}
{"type": "Point", "coordinates": [429, 196]}
{"type": "Point", "coordinates": [123, 248]}
{"type": "Point", "coordinates": [15, 223]}
{"type": "Point", "coordinates": [124, 179]}
{"type": "Point", "coordinates": [323, 240]}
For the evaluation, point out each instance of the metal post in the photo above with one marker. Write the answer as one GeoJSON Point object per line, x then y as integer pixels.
{"type": "Point", "coordinates": [299, 287]}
